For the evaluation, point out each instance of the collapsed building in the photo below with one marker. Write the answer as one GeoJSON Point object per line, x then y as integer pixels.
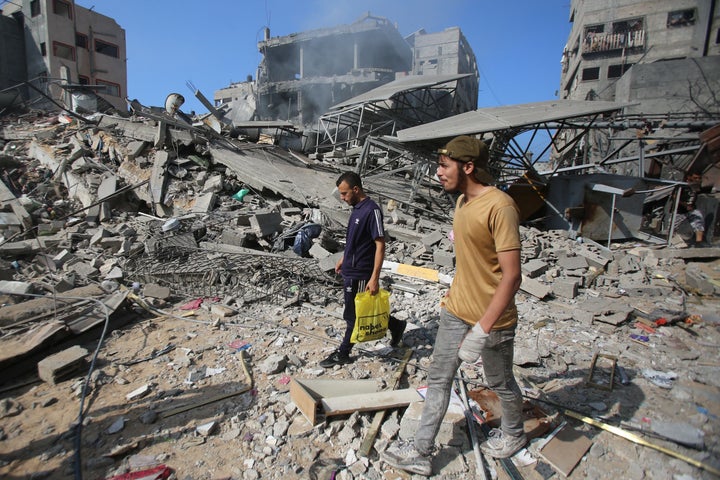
{"type": "Point", "coordinates": [302, 75]}
{"type": "Point", "coordinates": [157, 216]}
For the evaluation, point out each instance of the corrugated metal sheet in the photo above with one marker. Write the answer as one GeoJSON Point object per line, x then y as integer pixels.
{"type": "Point", "coordinates": [411, 82]}
{"type": "Point", "coordinates": [487, 120]}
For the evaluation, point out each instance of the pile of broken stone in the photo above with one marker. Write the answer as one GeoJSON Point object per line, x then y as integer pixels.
{"type": "Point", "coordinates": [129, 251]}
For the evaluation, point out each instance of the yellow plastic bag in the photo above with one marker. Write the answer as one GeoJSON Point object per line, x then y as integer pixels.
{"type": "Point", "coordinates": [372, 314]}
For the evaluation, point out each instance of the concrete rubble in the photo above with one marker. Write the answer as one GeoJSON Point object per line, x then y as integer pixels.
{"type": "Point", "coordinates": [194, 272]}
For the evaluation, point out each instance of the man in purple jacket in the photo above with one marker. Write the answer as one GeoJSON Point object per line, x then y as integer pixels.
{"type": "Point", "coordinates": [361, 261]}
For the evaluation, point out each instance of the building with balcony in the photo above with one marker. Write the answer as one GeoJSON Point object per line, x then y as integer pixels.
{"type": "Point", "coordinates": [647, 51]}
{"type": "Point", "coordinates": [67, 47]}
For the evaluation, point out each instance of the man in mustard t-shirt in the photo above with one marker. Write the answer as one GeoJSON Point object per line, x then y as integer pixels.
{"type": "Point", "coordinates": [479, 317]}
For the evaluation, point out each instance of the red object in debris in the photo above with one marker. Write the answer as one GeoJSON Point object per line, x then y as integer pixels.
{"type": "Point", "coordinates": [193, 305]}
{"type": "Point", "coordinates": [661, 321]}
{"type": "Point", "coordinates": [284, 380]}
{"type": "Point", "coordinates": [642, 326]}
{"type": "Point", "coordinates": [155, 473]}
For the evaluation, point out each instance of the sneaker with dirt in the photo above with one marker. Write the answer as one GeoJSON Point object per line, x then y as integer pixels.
{"type": "Point", "coordinates": [396, 332]}
{"type": "Point", "coordinates": [500, 445]}
{"type": "Point", "coordinates": [404, 456]}
{"type": "Point", "coordinates": [336, 358]}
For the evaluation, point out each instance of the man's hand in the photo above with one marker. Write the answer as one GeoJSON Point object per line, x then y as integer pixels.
{"type": "Point", "coordinates": [373, 286]}
{"type": "Point", "coordinates": [338, 266]}
{"type": "Point", "coordinates": [472, 344]}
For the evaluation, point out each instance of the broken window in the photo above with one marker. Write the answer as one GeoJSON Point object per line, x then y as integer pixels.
{"type": "Point", "coordinates": [81, 40]}
{"type": "Point", "coordinates": [590, 32]}
{"type": "Point", "coordinates": [43, 49]}
{"type": "Point", "coordinates": [717, 36]}
{"type": "Point", "coordinates": [616, 71]}
{"type": "Point", "coordinates": [62, 7]}
{"type": "Point", "coordinates": [592, 73]}
{"type": "Point", "coordinates": [83, 80]}
{"type": "Point", "coordinates": [34, 8]}
{"type": "Point", "coordinates": [107, 49]}
{"type": "Point", "coordinates": [64, 51]}
{"type": "Point", "coordinates": [624, 26]}
{"type": "Point", "coordinates": [110, 87]}
{"type": "Point", "coordinates": [681, 18]}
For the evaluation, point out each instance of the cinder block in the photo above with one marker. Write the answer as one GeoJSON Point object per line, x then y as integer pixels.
{"type": "Point", "coordinates": [432, 239]}
{"type": "Point", "coordinates": [62, 365]}
{"type": "Point", "coordinates": [327, 264]}
{"type": "Point", "coordinates": [565, 288]}
{"type": "Point", "coordinates": [534, 268]}
{"type": "Point", "coordinates": [266, 224]}
{"type": "Point", "coordinates": [443, 258]}
{"type": "Point", "coordinates": [156, 291]}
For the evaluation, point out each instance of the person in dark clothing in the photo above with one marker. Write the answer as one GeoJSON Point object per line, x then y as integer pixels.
{"type": "Point", "coordinates": [361, 261]}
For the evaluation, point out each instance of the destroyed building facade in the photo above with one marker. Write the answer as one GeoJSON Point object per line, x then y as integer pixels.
{"type": "Point", "coordinates": [69, 51]}
{"type": "Point", "coordinates": [659, 59]}
{"type": "Point", "coordinates": [302, 75]}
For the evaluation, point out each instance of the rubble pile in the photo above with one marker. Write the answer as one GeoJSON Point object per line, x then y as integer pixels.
{"type": "Point", "coordinates": [191, 274]}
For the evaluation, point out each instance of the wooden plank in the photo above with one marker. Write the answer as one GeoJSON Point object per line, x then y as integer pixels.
{"type": "Point", "coordinates": [379, 416]}
{"type": "Point", "coordinates": [566, 449]}
{"type": "Point", "coordinates": [370, 401]}
{"type": "Point", "coordinates": [306, 393]}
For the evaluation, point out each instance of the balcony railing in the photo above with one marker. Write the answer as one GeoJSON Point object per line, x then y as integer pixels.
{"type": "Point", "coordinates": [607, 42]}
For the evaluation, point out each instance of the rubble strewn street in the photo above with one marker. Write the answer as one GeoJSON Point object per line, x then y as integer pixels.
{"type": "Point", "coordinates": [162, 301]}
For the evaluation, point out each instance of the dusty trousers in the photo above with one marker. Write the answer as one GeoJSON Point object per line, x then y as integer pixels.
{"type": "Point", "coordinates": [497, 358]}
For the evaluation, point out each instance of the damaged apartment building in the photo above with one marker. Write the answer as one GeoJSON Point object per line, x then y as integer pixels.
{"type": "Point", "coordinates": [302, 75]}
{"type": "Point", "coordinates": [55, 50]}
{"type": "Point", "coordinates": [209, 257]}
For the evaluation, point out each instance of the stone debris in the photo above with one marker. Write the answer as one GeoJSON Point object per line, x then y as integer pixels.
{"type": "Point", "coordinates": [170, 236]}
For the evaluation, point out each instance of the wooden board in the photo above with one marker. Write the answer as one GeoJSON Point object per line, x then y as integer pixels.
{"type": "Point", "coordinates": [318, 398]}
{"type": "Point", "coordinates": [566, 449]}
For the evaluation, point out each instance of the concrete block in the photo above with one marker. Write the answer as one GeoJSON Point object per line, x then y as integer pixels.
{"type": "Point", "coordinates": [62, 365]}
{"type": "Point", "coordinates": [237, 238]}
{"type": "Point", "coordinates": [204, 203]}
{"type": "Point", "coordinates": [534, 288]}
{"type": "Point", "coordinates": [99, 235]}
{"type": "Point", "coordinates": [153, 290]}
{"type": "Point", "coordinates": [135, 149]}
{"type": "Point", "coordinates": [327, 264]}
{"type": "Point", "coordinates": [534, 268]}
{"type": "Point", "coordinates": [443, 258]}
{"type": "Point", "coordinates": [317, 251]}
{"type": "Point", "coordinates": [419, 252]}
{"type": "Point", "coordinates": [432, 239]}
{"type": "Point", "coordinates": [565, 288]}
{"type": "Point", "coordinates": [61, 258]}
{"type": "Point", "coordinates": [266, 224]}
{"type": "Point", "coordinates": [213, 184]}
{"type": "Point", "coordinates": [572, 263]}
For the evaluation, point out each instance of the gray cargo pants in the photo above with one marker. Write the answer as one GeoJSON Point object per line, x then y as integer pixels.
{"type": "Point", "coordinates": [497, 359]}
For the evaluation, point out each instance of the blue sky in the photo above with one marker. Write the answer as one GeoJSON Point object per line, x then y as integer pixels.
{"type": "Point", "coordinates": [518, 43]}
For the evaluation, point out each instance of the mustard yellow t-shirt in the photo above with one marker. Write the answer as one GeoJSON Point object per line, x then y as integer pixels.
{"type": "Point", "coordinates": [488, 224]}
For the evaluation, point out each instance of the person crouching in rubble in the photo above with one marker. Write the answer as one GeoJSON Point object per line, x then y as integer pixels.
{"type": "Point", "coordinates": [361, 261]}
{"type": "Point", "coordinates": [688, 211]}
{"type": "Point", "coordinates": [479, 317]}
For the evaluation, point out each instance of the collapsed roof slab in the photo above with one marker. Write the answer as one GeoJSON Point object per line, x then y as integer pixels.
{"type": "Point", "coordinates": [486, 120]}
{"type": "Point", "coordinates": [402, 84]}
{"type": "Point", "coordinates": [273, 169]}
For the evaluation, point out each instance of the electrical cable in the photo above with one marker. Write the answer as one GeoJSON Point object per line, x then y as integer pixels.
{"type": "Point", "coordinates": [77, 466]}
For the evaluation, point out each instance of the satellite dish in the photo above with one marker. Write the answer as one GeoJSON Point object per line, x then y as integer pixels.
{"type": "Point", "coordinates": [173, 102]}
